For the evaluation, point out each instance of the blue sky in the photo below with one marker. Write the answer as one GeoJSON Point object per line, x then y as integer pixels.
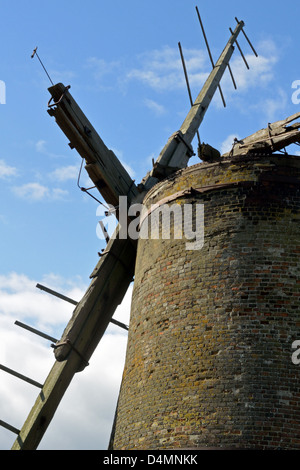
{"type": "Point", "coordinates": [123, 64]}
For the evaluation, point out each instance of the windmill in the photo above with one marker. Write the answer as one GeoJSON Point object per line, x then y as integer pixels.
{"type": "Point", "coordinates": [115, 268]}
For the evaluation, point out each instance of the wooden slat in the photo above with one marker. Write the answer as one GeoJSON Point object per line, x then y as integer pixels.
{"type": "Point", "coordinates": [46, 404]}
{"type": "Point", "coordinates": [21, 376]}
{"type": "Point", "coordinates": [9, 427]}
{"type": "Point", "coordinates": [175, 153]}
{"type": "Point", "coordinates": [36, 332]}
{"type": "Point", "coordinates": [90, 319]}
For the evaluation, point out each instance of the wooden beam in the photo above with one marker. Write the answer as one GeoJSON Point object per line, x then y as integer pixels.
{"type": "Point", "coordinates": [104, 168]}
{"type": "Point", "coordinates": [176, 152]}
{"type": "Point", "coordinates": [276, 136]}
{"type": "Point", "coordinates": [90, 319]}
{"type": "Point", "coordinates": [110, 280]}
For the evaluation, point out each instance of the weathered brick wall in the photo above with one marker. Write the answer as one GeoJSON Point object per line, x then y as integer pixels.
{"type": "Point", "coordinates": [209, 351]}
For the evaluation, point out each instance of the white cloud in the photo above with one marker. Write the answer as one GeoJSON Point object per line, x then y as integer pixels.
{"type": "Point", "coordinates": [41, 147]}
{"type": "Point", "coordinates": [102, 67]}
{"type": "Point", "coordinates": [63, 76]}
{"type": "Point", "coordinates": [261, 74]}
{"type": "Point", "coordinates": [162, 69]}
{"type": "Point", "coordinates": [59, 194]}
{"type": "Point", "coordinates": [226, 146]}
{"type": "Point", "coordinates": [6, 170]}
{"type": "Point", "coordinates": [85, 415]}
{"type": "Point", "coordinates": [69, 173]}
{"type": "Point", "coordinates": [157, 108]}
{"type": "Point", "coordinates": [35, 192]}
{"type": "Point", "coordinates": [65, 173]}
{"type": "Point", "coordinates": [31, 191]}
{"type": "Point", "coordinates": [273, 107]}
{"type": "Point", "coordinates": [20, 298]}
{"type": "Point", "coordinates": [21, 350]}
{"type": "Point", "coordinates": [101, 71]}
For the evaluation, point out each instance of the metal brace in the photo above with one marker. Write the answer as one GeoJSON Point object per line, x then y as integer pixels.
{"type": "Point", "coordinates": [68, 342]}
{"type": "Point", "coordinates": [235, 141]}
{"type": "Point", "coordinates": [178, 136]}
{"type": "Point", "coordinates": [60, 99]}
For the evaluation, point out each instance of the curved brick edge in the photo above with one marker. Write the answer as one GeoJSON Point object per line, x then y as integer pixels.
{"type": "Point", "coordinates": [208, 362]}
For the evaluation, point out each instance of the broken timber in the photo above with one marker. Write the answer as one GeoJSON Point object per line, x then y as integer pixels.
{"type": "Point", "coordinates": [275, 137]}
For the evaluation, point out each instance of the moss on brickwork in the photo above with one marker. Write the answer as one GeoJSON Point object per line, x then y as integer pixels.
{"type": "Point", "coordinates": [208, 361]}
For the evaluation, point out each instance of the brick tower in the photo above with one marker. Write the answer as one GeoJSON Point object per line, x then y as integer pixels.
{"type": "Point", "coordinates": [208, 362]}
